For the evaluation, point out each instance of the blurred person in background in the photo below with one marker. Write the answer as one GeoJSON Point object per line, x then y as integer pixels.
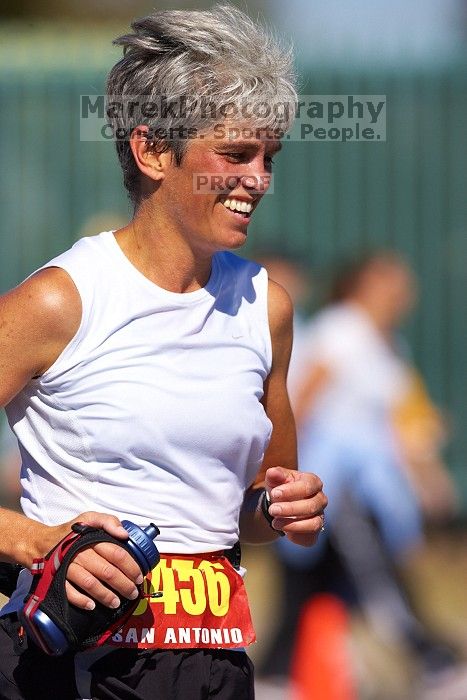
{"type": "Point", "coordinates": [422, 432]}
{"type": "Point", "coordinates": [358, 388]}
{"type": "Point", "coordinates": [353, 389]}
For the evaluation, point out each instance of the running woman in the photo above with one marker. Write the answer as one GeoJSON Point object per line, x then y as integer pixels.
{"type": "Point", "coordinates": [143, 372]}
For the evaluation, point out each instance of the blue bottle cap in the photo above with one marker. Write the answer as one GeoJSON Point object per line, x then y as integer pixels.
{"type": "Point", "coordinates": [141, 543]}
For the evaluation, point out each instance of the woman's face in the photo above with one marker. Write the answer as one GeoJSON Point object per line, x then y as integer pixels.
{"type": "Point", "coordinates": [211, 196]}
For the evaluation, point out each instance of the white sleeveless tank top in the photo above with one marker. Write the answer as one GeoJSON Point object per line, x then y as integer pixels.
{"type": "Point", "coordinates": [152, 412]}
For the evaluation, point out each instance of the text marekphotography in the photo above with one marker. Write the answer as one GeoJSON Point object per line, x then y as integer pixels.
{"type": "Point", "coordinates": [333, 118]}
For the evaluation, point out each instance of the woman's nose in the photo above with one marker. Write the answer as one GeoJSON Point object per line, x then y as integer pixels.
{"type": "Point", "coordinates": [258, 183]}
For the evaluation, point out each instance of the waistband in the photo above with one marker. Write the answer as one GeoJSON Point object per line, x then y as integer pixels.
{"type": "Point", "coordinates": [233, 555]}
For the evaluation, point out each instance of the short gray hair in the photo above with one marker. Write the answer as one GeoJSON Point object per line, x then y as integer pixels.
{"type": "Point", "coordinates": [206, 58]}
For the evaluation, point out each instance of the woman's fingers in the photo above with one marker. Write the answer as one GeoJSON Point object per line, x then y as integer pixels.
{"type": "Point", "coordinates": [77, 598]}
{"type": "Point", "coordinates": [300, 485]}
{"type": "Point", "coordinates": [297, 503]}
{"type": "Point", "coordinates": [120, 559]}
{"type": "Point", "coordinates": [109, 523]}
{"type": "Point", "coordinates": [303, 531]}
{"type": "Point", "coordinates": [306, 508]}
{"type": "Point", "coordinates": [103, 573]}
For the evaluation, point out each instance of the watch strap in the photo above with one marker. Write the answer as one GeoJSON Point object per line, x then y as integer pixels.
{"type": "Point", "coordinates": [265, 502]}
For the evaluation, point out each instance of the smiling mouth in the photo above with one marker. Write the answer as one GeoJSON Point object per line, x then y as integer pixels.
{"type": "Point", "coordinates": [239, 207]}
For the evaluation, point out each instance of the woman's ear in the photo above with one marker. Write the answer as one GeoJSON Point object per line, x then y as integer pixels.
{"type": "Point", "coordinates": [150, 162]}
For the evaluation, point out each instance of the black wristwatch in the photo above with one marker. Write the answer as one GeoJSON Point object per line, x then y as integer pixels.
{"type": "Point", "coordinates": [265, 502]}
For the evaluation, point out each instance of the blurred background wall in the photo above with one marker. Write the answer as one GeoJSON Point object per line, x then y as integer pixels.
{"type": "Point", "coordinates": [330, 199]}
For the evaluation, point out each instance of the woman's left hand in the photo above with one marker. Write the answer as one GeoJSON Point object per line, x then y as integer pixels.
{"type": "Point", "coordinates": [297, 504]}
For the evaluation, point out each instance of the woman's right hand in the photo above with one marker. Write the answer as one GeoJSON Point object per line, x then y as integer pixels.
{"type": "Point", "coordinates": [101, 572]}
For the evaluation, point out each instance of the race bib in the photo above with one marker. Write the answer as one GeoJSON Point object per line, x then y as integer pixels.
{"type": "Point", "coordinates": [190, 601]}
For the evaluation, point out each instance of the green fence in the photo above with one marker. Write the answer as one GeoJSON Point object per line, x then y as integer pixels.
{"type": "Point", "coordinates": [407, 193]}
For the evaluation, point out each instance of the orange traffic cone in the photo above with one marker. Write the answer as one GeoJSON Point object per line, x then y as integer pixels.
{"type": "Point", "coordinates": [321, 666]}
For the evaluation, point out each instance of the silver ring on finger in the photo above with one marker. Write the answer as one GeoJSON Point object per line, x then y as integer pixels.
{"type": "Point", "coordinates": [323, 524]}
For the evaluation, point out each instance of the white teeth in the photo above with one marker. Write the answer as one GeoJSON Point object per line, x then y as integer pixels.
{"type": "Point", "coordinates": [236, 205]}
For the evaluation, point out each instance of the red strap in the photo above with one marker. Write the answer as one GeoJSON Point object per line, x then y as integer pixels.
{"type": "Point", "coordinates": [45, 568]}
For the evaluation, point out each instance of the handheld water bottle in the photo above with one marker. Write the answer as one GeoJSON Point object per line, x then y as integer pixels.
{"type": "Point", "coordinates": [57, 626]}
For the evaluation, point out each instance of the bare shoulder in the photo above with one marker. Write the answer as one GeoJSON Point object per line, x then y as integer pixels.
{"type": "Point", "coordinates": [37, 320]}
{"type": "Point", "coordinates": [280, 312]}
{"type": "Point", "coordinates": [48, 300]}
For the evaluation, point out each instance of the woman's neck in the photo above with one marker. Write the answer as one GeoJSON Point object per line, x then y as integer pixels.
{"type": "Point", "coordinates": [162, 255]}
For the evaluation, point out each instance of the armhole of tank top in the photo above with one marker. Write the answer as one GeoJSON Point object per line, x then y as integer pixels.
{"type": "Point", "coordinates": [76, 339]}
{"type": "Point", "coordinates": [264, 285]}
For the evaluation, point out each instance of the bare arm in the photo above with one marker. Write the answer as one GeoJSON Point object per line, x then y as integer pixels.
{"type": "Point", "coordinates": [297, 494]}
{"type": "Point", "coordinates": [37, 320]}
{"type": "Point", "coordinates": [34, 328]}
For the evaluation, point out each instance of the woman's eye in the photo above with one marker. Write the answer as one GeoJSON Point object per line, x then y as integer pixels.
{"type": "Point", "coordinates": [235, 156]}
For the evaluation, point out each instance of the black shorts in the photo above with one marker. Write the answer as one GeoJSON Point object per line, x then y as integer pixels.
{"type": "Point", "coordinates": [123, 674]}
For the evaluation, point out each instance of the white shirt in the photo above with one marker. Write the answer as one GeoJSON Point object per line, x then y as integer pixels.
{"type": "Point", "coordinates": [153, 411]}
